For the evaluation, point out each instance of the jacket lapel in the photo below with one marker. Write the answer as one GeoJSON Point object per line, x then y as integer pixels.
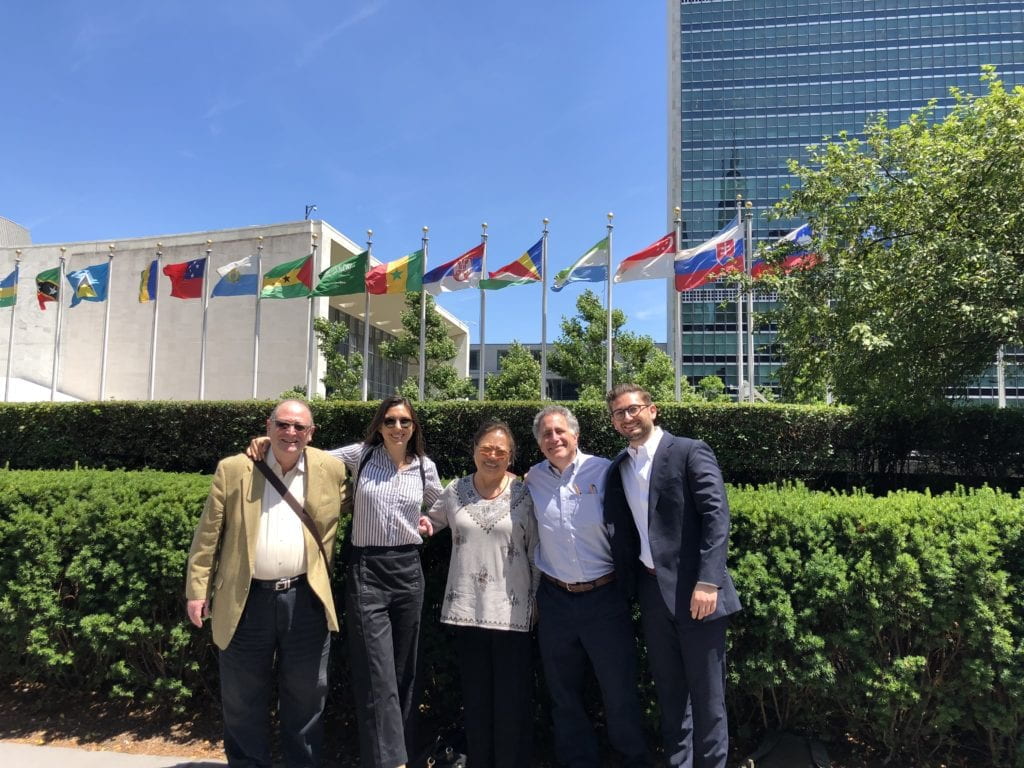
{"type": "Point", "coordinates": [252, 507]}
{"type": "Point", "coordinates": [658, 465]}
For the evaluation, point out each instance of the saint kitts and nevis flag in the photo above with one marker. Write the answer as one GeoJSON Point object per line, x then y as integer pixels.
{"type": "Point", "coordinates": [291, 280]}
{"type": "Point", "coordinates": [402, 275]}
{"type": "Point", "coordinates": [9, 289]}
{"type": "Point", "coordinates": [522, 271]}
{"type": "Point", "coordinates": [48, 286]}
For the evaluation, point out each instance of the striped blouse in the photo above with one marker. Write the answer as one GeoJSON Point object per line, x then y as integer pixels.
{"type": "Point", "coordinates": [389, 502]}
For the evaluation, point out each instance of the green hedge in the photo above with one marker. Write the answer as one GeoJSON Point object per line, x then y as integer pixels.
{"type": "Point", "coordinates": [898, 620]}
{"type": "Point", "coordinates": [823, 446]}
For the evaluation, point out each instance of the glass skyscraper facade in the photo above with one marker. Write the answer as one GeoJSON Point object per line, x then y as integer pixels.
{"type": "Point", "coordinates": [753, 82]}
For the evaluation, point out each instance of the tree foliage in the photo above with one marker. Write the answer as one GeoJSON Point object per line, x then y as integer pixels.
{"type": "Point", "coordinates": [441, 380]}
{"type": "Point", "coordinates": [919, 230]}
{"type": "Point", "coordinates": [519, 378]}
{"type": "Point", "coordinates": [343, 376]}
{"type": "Point", "coordinates": [579, 354]}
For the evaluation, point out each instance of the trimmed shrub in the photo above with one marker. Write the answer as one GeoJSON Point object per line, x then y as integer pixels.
{"type": "Point", "coordinates": [897, 619]}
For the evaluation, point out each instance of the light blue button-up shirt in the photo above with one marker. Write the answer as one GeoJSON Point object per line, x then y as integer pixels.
{"type": "Point", "coordinates": [573, 544]}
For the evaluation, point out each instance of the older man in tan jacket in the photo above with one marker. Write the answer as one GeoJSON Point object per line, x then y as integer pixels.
{"type": "Point", "coordinates": [256, 570]}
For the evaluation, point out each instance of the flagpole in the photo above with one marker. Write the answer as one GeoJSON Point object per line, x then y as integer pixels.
{"type": "Point", "coordinates": [156, 317]}
{"type": "Point", "coordinates": [1000, 377]}
{"type": "Point", "coordinates": [366, 319]}
{"type": "Point", "coordinates": [311, 337]}
{"type": "Point", "coordinates": [544, 312]}
{"type": "Point", "coordinates": [106, 323]}
{"type": "Point", "coordinates": [206, 305]}
{"type": "Point", "coordinates": [677, 311]}
{"type": "Point", "coordinates": [256, 321]}
{"type": "Point", "coordinates": [423, 321]}
{"type": "Point", "coordinates": [748, 260]}
{"type": "Point", "coordinates": [56, 336]}
{"type": "Point", "coordinates": [608, 327]}
{"type": "Point", "coordinates": [483, 315]}
{"type": "Point", "coordinates": [739, 319]}
{"type": "Point", "coordinates": [10, 333]}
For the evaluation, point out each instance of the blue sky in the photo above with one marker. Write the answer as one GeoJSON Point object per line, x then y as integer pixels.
{"type": "Point", "coordinates": [129, 119]}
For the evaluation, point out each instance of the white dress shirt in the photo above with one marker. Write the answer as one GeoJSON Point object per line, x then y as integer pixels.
{"type": "Point", "coordinates": [636, 482]}
{"type": "Point", "coordinates": [280, 541]}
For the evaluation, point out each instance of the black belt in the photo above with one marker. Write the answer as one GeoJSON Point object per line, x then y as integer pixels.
{"type": "Point", "coordinates": [279, 585]}
{"type": "Point", "coordinates": [395, 550]}
{"type": "Point", "coordinates": [582, 586]}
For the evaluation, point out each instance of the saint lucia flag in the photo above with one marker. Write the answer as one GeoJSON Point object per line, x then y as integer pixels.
{"type": "Point", "coordinates": [89, 284]}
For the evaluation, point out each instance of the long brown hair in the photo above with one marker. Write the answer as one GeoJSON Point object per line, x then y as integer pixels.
{"type": "Point", "coordinates": [416, 446]}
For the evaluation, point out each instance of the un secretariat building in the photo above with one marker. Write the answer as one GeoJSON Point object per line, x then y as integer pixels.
{"type": "Point", "coordinates": [753, 82]}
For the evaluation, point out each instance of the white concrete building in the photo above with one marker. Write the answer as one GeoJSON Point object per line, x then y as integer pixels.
{"type": "Point", "coordinates": [230, 321]}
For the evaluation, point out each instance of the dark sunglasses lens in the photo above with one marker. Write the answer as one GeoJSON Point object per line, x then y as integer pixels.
{"type": "Point", "coordinates": [392, 422]}
{"type": "Point", "coordinates": [285, 424]}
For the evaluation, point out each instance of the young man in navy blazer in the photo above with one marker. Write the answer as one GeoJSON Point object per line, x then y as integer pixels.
{"type": "Point", "coordinates": [667, 513]}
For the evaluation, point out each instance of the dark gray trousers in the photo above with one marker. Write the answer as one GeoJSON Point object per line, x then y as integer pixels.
{"type": "Point", "coordinates": [383, 604]}
{"type": "Point", "coordinates": [291, 627]}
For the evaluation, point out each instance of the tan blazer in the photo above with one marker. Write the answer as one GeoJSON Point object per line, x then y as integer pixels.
{"type": "Point", "coordinates": [221, 561]}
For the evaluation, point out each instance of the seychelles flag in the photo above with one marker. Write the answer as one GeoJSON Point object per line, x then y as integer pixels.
{"type": "Point", "coordinates": [522, 271]}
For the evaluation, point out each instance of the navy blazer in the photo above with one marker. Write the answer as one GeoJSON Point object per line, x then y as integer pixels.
{"type": "Point", "coordinates": [688, 525]}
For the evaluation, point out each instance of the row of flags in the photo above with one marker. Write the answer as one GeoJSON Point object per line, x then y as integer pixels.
{"type": "Point", "coordinates": [688, 268]}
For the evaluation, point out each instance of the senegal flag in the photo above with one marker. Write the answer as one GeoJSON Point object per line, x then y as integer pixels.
{"type": "Point", "coordinates": [48, 286]}
{"type": "Point", "coordinates": [290, 280]}
{"type": "Point", "coordinates": [402, 275]}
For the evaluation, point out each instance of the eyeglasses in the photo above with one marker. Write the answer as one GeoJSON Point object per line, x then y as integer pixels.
{"type": "Point", "coordinates": [284, 425]}
{"type": "Point", "coordinates": [391, 422]}
{"type": "Point", "coordinates": [620, 413]}
{"type": "Point", "coordinates": [492, 451]}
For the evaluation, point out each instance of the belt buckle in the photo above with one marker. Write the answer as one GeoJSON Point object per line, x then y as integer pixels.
{"type": "Point", "coordinates": [282, 584]}
{"type": "Point", "coordinates": [582, 586]}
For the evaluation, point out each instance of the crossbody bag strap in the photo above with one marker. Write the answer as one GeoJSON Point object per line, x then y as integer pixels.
{"type": "Point", "coordinates": [296, 507]}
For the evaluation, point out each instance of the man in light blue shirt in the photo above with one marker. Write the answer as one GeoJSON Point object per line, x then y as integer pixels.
{"type": "Point", "coordinates": [582, 616]}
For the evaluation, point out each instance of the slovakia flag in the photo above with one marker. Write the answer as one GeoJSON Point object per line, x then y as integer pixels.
{"type": "Point", "coordinates": [706, 262]}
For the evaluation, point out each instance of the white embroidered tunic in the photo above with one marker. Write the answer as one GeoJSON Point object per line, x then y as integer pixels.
{"type": "Point", "coordinates": [492, 579]}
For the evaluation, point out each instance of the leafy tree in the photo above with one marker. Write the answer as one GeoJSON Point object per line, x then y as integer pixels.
{"type": "Point", "coordinates": [919, 229]}
{"type": "Point", "coordinates": [712, 389]}
{"type": "Point", "coordinates": [579, 354]}
{"type": "Point", "coordinates": [441, 380]}
{"type": "Point", "coordinates": [343, 376]}
{"type": "Point", "coordinates": [519, 378]}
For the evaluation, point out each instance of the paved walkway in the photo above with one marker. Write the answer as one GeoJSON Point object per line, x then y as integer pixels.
{"type": "Point", "coordinates": [31, 756]}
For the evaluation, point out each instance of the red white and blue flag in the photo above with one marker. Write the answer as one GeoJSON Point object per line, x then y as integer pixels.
{"type": "Point", "coordinates": [653, 262]}
{"type": "Point", "coordinates": [710, 260]}
{"type": "Point", "coordinates": [796, 256]}
{"type": "Point", "coordinates": [461, 272]}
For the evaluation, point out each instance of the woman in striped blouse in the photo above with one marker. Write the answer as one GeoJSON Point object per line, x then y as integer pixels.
{"type": "Point", "coordinates": [394, 479]}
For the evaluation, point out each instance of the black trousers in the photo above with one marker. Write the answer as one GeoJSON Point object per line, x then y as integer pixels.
{"type": "Point", "coordinates": [496, 669]}
{"type": "Point", "coordinates": [383, 603]}
{"type": "Point", "coordinates": [687, 662]}
{"type": "Point", "coordinates": [290, 626]}
{"type": "Point", "coordinates": [594, 627]}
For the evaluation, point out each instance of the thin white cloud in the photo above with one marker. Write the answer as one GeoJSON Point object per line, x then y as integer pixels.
{"type": "Point", "coordinates": [314, 46]}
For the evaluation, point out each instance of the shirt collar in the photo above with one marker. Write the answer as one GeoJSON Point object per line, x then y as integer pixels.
{"type": "Point", "coordinates": [571, 467]}
{"type": "Point", "coordinates": [648, 448]}
{"type": "Point", "coordinates": [274, 464]}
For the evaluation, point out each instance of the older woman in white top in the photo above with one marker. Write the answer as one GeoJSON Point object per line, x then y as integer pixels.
{"type": "Point", "coordinates": [489, 598]}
